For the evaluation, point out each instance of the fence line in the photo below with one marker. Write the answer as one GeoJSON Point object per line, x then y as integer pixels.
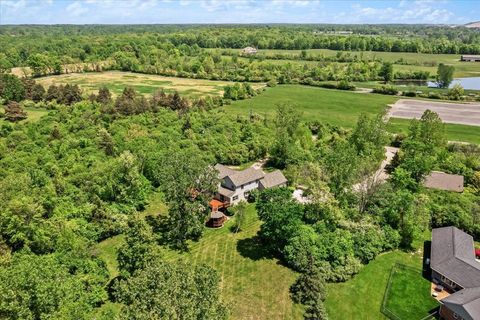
{"type": "Point", "coordinates": [390, 314]}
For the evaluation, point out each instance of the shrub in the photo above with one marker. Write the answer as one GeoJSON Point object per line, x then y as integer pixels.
{"type": "Point", "coordinates": [389, 90]}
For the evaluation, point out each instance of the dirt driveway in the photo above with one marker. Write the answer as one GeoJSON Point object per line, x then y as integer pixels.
{"type": "Point", "coordinates": [461, 113]}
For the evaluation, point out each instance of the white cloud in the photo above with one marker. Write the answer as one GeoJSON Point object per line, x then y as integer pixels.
{"type": "Point", "coordinates": [76, 9]}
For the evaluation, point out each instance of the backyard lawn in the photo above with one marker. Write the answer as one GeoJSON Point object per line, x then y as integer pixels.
{"type": "Point", "coordinates": [408, 294]}
{"type": "Point", "coordinates": [254, 284]}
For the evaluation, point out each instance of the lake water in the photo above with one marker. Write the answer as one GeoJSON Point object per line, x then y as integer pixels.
{"type": "Point", "coordinates": [467, 83]}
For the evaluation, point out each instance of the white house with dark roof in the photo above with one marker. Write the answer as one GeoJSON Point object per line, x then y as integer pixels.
{"type": "Point", "coordinates": [453, 264]}
{"type": "Point", "coordinates": [236, 185]}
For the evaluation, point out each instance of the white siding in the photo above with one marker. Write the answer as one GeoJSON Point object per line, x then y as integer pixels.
{"type": "Point", "coordinates": [240, 195]}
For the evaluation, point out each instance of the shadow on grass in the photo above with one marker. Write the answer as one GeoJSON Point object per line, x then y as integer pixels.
{"type": "Point", "coordinates": [253, 248]}
{"type": "Point", "coordinates": [426, 270]}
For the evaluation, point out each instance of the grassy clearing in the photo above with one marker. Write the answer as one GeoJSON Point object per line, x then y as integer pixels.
{"type": "Point", "coordinates": [33, 115]}
{"type": "Point", "coordinates": [340, 108]}
{"type": "Point", "coordinates": [408, 296]}
{"type": "Point", "coordinates": [454, 132]}
{"type": "Point", "coordinates": [116, 81]}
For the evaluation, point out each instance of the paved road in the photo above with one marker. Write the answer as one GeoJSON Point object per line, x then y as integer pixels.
{"type": "Point", "coordinates": [461, 113]}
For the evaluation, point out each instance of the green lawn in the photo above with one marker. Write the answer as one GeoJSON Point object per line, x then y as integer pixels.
{"type": "Point", "coordinates": [455, 132]}
{"type": "Point", "coordinates": [361, 297]}
{"type": "Point", "coordinates": [340, 108]}
{"type": "Point", "coordinates": [408, 296]}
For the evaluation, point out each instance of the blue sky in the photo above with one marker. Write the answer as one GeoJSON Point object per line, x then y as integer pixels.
{"type": "Point", "coordinates": [237, 11]}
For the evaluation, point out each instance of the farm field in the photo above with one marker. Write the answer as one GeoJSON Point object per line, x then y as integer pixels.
{"type": "Point", "coordinates": [462, 69]}
{"type": "Point", "coordinates": [361, 297]}
{"type": "Point", "coordinates": [116, 81]}
{"type": "Point", "coordinates": [254, 284]}
{"type": "Point", "coordinates": [339, 108]}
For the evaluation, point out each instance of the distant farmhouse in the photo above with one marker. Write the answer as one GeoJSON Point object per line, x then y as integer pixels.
{"type": "Point", "coordinates": [444, 181]}
{"type": "Point", "coordinates": [249, 50]}
{"type": "Point", "coordinates": [454, 267]}
{"type": "Point", "coordinates": [235, 186]}
{"type": "Point", "coordinates": [470, 58]}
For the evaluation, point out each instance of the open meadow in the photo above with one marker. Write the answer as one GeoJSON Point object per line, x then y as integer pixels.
{"type": "Point", "coordinates": [116, 81]}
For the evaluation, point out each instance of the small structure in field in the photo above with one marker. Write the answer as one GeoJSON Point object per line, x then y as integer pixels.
{"type": "Point", "coordinates": [444, 181]}
{"type": "Point", "coordinates": [470, 58]}
{"type": "Point", "coordinates": [235, 186]}
{"type": "Point", "coordinates": [249, 50]}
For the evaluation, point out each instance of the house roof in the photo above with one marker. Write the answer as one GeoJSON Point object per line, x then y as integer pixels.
{"type": "Point", "coordinates": [224, 171]}
{"type": "Point", "coordinates": [246, 176]}
{"type": "Point", "coordinates": [465, 303]}
{"type": "Point", "coordinates": [444, 181]}
{"type": "Point", "coordinates": [273, 179]}
{"type": "Point", "coordinates": [225, 192]}
{"type": "Point", "coordinates": [453, 256]}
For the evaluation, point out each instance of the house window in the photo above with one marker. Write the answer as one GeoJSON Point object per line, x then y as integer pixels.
{"type": "Point", "coordinates": [235, 198]}
{"type": "Point", "coordinates": [242, 186]}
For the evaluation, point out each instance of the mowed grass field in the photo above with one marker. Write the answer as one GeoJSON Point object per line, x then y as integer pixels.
{"type": "Point", "coordinates": [339, 108]}
{"type": "Point", "coordinates": [416, 61]}
{"type": "Point", "coordinates": [116, 81]}
{"type": "Point", "coordinates": [254, 284]}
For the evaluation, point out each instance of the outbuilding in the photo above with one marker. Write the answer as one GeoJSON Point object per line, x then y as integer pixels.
{"type": "Point", "coordinates": [470, 58]}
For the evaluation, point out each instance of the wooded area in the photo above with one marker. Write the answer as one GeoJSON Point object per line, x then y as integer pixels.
{"type": "Point", "coordinates": [86, 171]}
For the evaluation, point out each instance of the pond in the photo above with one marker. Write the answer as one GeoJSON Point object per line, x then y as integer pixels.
{"type": "Point", "coordinates": [467, 83]}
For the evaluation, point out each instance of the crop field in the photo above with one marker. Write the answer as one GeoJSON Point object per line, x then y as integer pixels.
{"type": "Point", "coordinates": [339, 108]}
{"type": "Point", "coordinates": [416, 61]}
{"type": "Point", "coordinates": [116, 81]}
